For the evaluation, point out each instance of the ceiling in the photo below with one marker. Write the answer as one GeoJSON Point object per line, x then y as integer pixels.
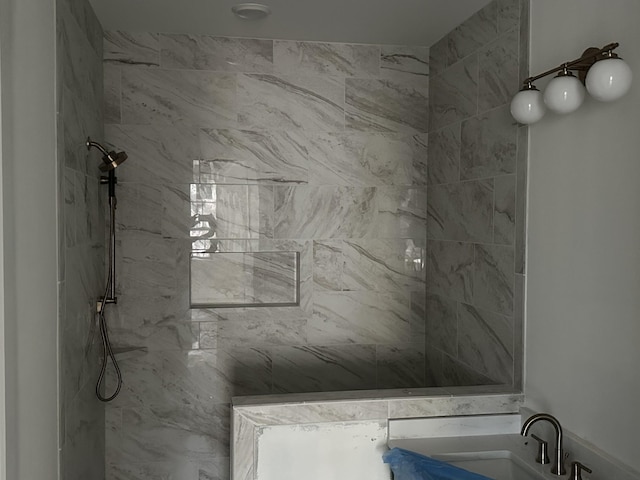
{"type": "Point", "coordinates": [393, 22]}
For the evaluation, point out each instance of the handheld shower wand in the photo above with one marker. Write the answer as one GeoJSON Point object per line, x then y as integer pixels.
{"type": "Point", "coordinates": [111, 160]}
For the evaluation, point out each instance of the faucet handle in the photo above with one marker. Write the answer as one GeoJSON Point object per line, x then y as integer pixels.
{"type": "Point", "coordinates": [576, 470]}
{"type": "Point", "coordinates": [543, 450]}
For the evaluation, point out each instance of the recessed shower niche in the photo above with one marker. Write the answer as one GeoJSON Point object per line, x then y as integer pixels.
{"type": "Point", "coordinates": [244, 279]}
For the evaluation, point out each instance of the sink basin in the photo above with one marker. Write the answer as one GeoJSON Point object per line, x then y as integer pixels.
{"type": "Point", "coordinates": [499, 465]}
{"type": "Point", "coordinates": [500, 457]}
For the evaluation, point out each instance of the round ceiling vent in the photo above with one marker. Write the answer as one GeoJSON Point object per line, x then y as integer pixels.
{"type": "Point", "coordinates": [251, 11]}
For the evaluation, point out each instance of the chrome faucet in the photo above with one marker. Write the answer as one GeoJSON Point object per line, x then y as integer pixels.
{"type": "Point", "coordinates": [558, 463]}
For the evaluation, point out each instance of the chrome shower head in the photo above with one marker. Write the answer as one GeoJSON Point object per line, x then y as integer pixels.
{"type": "Point", "coordinates": [111, 159]}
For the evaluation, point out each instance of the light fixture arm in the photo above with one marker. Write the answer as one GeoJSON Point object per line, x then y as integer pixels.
{"type": "Point", "coordinates": [582, 64]}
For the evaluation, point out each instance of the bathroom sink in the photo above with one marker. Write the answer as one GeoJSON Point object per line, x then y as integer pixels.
{"type": "Point", "coordinates": [499, 465]}
{"type": "Point", "coordinates": [500, 457]}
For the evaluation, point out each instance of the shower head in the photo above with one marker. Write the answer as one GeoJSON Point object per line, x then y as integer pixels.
{"type": "Point", "coordinates": [111, 159]}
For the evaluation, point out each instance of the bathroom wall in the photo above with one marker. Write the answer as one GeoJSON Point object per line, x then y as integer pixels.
{"type": "Point", "coordinates": [81, 222]}
{"type": "Point", "coordinates": [260, 145]}
{"type": "Point", "coordinates": [28, 265]}
{"type": "Point", "coordinates": [583, 282]}
{"type": "Point", "coordinates": [477, 178]}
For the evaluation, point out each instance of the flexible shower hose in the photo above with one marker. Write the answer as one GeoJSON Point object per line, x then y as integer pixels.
{"type": "Point", "coordinates": [107, 351]}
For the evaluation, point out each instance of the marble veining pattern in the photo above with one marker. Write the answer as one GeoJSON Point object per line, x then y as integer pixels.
{"type": "Point", "coordinates": [222, 54]}
{"type": "Point", "coordinates": [364, 158]}
{"type": "Point", "coordinates": [472, 138]}
{"type": "Point", "coordinates": [387, 106]}
{"type": "Point", "coordinates": [402, 62]}
{"type": "Point", "coordinates": [293, 146]}
{"type": "Point", "coordinates": [128, 48]}
{"type": "Point", "coordinates": [334, 59]}
{"type": "Point", "coordinates": [81, 234]}
{"type": "Point", "coordinates": [158, 96]}
{"type": "Point", "coordinates": [290, 102]}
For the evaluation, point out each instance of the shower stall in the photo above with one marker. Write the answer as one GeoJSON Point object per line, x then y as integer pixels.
{"type": "Point", "coordinates": [351, 217]}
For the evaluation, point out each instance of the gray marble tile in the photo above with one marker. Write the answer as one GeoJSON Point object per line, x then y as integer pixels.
{"type": "Point", "coordinates": [70, 207]}
{"type": "Point", "coordinates": [157, 154]}
{"type": "Point", "coordinates": [83, 450]}
{"type": "Point", "coordinates": [79, 63]}
{"type": "Point", "coordinates": [88, 22]}
{"type": "Point", "coordinates": [243, 460]}
{"type": "Point", "coordinates": [324, 212]}
{"type": "Point", "coordinates": [461, 211]}
{"type": "Point", "coordinates": [140, 208]}
{"type": "Point", "coordinates": [148, 265]}
{"type": "Point", "coordinates": [504, 216]}
{"type": "Point", "coordinates": [442, 323]}
{"type": "Point", "coordinates": [518, 332]}
{"type": "Point", "coordinates": [201, 377]}
{"type": "Point", "coordinates": [376, 105]}
{"type": "Point", "coordinates": [186, 97]}
{"type": "Point", "coordinates": [163, 336]}
{"type": "Point", "coordinates": [290, 102]}
{"type": "Point", "coordinates": [498, 71]}
{"type": "Point", "coordinates": [335, 59]}
{"type": "Point", "coordinates": [450, 269]}
{"type": "Point", "coordinates": [253, 332]}
{"type": "Point", "coordinates": [316, 412]}
{"type": "Point", "coordinates": [438, 56]}
{"type": "Point", "coordinates": [419, 313]}
{"type": "Point", "coordinates": [130, 48]}
{"type": "Point", "coordinates": [248, 156]}
{"type": "Point", "coordinates": [367, 159]}
{"type": "Point", "coordinates": [390, 265]}
{"type": "Point", "coordinates": [475, 32]}
{"type": "Point", "coordinates": [317, 369]}
{"type": "Point", "coordinates": [360, 318]}
{"type": "Point", "coordinates": [176, 219]}
{"type": "Point", "coordinates": [521, 199]}
{"type": "Point", "coordinates": [152, 470]}
{"type": "Point", "coordinates": [494, 278]}
{"type": "Point", "coordinates": [508, 15]}
{"type": "Point", "coordinates": [244, 278]}
{"type": "Point", "coordinates": [486, 342]}
{"type": "Point", "coordinates": [489, 144]}
{"type": "Point", "coordinates": [444, 155]}
{"type": "Point", "coordinates": [433, 366]}
{"type": "Point", "coordinates": [161, 433]}
{"type": "Point", "coordinates": [402, 212]}
{"type": "Point", "coordinates": [111, 94]}
{"type": "Point", "coordinates": [455, 372]}
{"type": "Point", "coordinates": [453, 94]}
{"type": "Point", "coordinates": [400, 366]}
{"type": "Point", "coordinates": [328, 264]}
{"type": "Point", "coordinates": [403, 62]}
{"type": "Point", "coordinates": [305, 247]}
{"type": "Point", "coordinates": [456, 405]}
{"type": "Point", "coordinates": [79, 121]}
{"type": "Point", "coordinates": [223, 54]}
{"type": "Point", "coordinates": [214, 469]}
{"type": "Point", "coordinates": [231, 211]}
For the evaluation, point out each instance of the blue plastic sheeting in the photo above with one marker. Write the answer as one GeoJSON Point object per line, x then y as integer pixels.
{"type": "Point", "coordinates": [407, 465]}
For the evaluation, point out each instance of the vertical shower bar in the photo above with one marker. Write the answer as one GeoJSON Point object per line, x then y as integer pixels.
{"type": "Point", "coordinates": [111, 181]}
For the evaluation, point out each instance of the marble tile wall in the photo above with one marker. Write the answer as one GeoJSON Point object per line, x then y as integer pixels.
{"type": "Point", "coordinates": [244, 145]}
{"type": "Point", "coordinates": [477, 177]}
{"type": "Point", "coordinates": [81, 235]}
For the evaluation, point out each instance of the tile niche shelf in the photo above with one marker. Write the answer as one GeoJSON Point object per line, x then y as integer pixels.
{"type": "Point", "coordinates": [244, 279]}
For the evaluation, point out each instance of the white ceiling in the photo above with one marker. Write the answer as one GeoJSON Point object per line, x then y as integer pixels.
{"type": "Point", "coordinates": [394, 22]}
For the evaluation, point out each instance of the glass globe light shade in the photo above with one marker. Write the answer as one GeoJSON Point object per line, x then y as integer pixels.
{"type": "Point", "coordinates": [609, 79]}
{"type": "Point", "coordinates": [527, 106]}
{"type": "Point", "coordinates": [564, 94]}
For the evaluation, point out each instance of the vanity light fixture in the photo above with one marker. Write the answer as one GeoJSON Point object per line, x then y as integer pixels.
{"type": "Point", "coordinates": [606, 76]}
{"type": "Point", "coordinates": [251, 11]}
